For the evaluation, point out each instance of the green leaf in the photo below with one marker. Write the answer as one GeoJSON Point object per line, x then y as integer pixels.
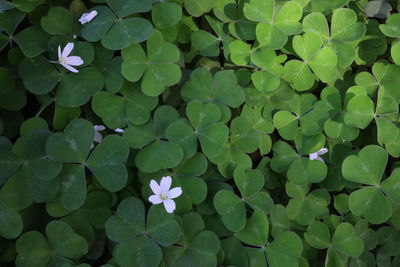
{"type": "Point", "coordinates": [231, 209]}
{"type": "Point", "coordinates": [213, 138]}
{"type": "Point", "coordinates": [107, 162]}
{"type": "Point", "coordinates": [367, 167]}
{"type": "Point", "coordinates": [391, 27]}
{"type": "Point", "coordinates": [124, 8]}
{"type": "Point", "coordinates": [162, 227]}
{"type": "Point", "coordinates": [206, 43]}
{"type": "Point", "coordinates": [57, 21]}
{"type": "Point", "coordinates": [285, 250]}
{"type": "Point", "coordinates": [318, 235]}
{"type": "Point", "coordinates": [249, 182]}
{"type": "Point", "coordinates": [304, 170]}
{"type": "Point", "coordinates": [360, 111]}
{"type": "Point", "coordinates": [98, 27]}
{"type": "Point", "coordinates": [128, 222]}
{"type": "Point", "coordinates": [223, 88]}
{"type": "Point", "coordinates": [324, 63]}
{"type": "Point", "coordinates": [196, 8]}
{"type": "Point", "coordinates": [32, 41]}
{"type": "Point", "coordinates": [391, 185]}
{"type": "Point", "coordinates": [159, 155]}
{"type": "Point", "coordinates": [299, 75]}
{"type": "Point", "coordinates": [76, 89]}
{"type": "Point", "coordinates": [346, 240]}
{"type": "Point", "coordinates": [33, 250]}
{"type": "Point", "coordinates": [125, 32]}
{"type": "Point", "coordinates": [256, 231]}
{"type": "Point", "coordinates": [370, 203]}
{"type": "Point", "coordinates": [64, 241]}
{"type": "Point", "coordinates": [73, 186]}
{"type": "Point", "coordinates": [9, 162]}
{"type": "Point", "coordinates": [73, 145]}
{"type": "Point", "coordinates": [11, 224]}
{"type": "Point", "coordinates": [38, 75]}
{"type": "Point", "coordinates": [166, 14]}
{"type": "Point", "coordinates": [140, 251]}
{"type": "Point", "coordinates": [157, 68]}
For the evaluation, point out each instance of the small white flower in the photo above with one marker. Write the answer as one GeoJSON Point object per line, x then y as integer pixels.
{"type": "Point", "coordinates": [66, 61]}
{"type": "Point", "coordinates": [97, 136]}
{"type": "Point", "coordinates": [87, 17]}
{"type": "Point", "coordinates": [316, 155]}
{"type": "Point", "coordinates": [163, 194]}
{"type": "Point", "coordinates": [119, 130]}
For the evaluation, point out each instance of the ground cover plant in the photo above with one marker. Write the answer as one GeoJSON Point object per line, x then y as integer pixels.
{"type": "Point", "coordinates": [199, 133]}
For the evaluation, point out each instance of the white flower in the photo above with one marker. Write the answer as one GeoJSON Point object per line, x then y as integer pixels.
{"type": "Point", "coordinates": [97, 136]}
{"type": "Point", "coordinates": [87, 17]}
{"type": "Point", "coordinates": [66, 61]}
{"type": "Point", "coordinates": [163, 194]}
{"type": "Point", "coordinates": [316, 155]}
{"type": "Point", "coordinates": [119, 130]}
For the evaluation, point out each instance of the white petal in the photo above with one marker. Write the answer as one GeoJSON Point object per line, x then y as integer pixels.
{"type": "Point", "coordinates": [322, 151]}
{"type": "Point", "coordinates": [99, 127]}
{"type": "Point", "coordinates": [313, 156]}
{"type": "Point", "coordinates": [67, 49]}
{"type": "Point", "coordinates": [155, 187]}
{"type": "Point", "coordinates": [165, 184]}
{"type": "Point", "coordinates": [87, 17]}
{"type": "Point", "coordinates": [155, 199]}
{"type": "Point", "coordinates": [320, 159]}
{"type": "Point", "coordinates": [169, 205]}
{"type": "Point", "coordinates": [59, 52]}
{"type": "Point", "coordinates": [74, 61]}
{"type": "Point", "coordinates": [68, 67]}
{"type": "Point", "coordinates": [175, 192]}
{"type": "Point", "coordinates": [118, 130]}
{"type": "Point", "coordinates": [97, 137]}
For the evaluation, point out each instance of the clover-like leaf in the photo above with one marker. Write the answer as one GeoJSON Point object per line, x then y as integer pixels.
{"type": "Point", "coordinates": [222, 88]}
{"type": "Point", "coordinates": [34, 250]}
{"type": "Point", "coordinates": [116, 110]}
{"type": "Point", "coordinates": [256, 231]}
{"type": "Point", "coordinates": [117, 33]}
{"type": "Point", "coordinates": [159, 155]}
{"type": "Point", "coordinates": [76, 89]}
{"type": "Point", "coordinates": [11, 224]}
{"type": "Point", "coordinates": [367, 166]}
{"type": "Point", "coordinates": [346, 240]}
{"type": "Point", "coordinates": [158, 67]}
{"type": "Point", "coordinates": [232, 210]}
{"type": "Point", "coordinates": [274, 26]}
{"type": "Point", "coordinates": [285, 249]}
{"type": "Point", "coordinates": [107, 162]}
{"type": "Point", "coordinates": [128, 228]}
{"type": "Point", "coordinates": [57, 21]}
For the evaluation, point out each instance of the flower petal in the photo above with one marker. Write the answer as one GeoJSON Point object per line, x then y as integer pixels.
{"type": "Point", "coordinates": [155, 199]}
{"type": "Point", "coordinates": [97, 137]}
{"type": "Point", "coordinates": [169, 205]}
{"type": "Point", "coordinates": [119, 130]}
{"type": "Point", "coordinates": [320, 159]}
{"type": "Point", "coordinates": [99, 127]}
{"type": "Point", "coordinates": [155, 187]}
{"type": "Point", "coordinates": [322, 151]}
{"type": "Point", "coordinates": [175, 192]}
{"type": "Point", "coordinates": [59, 52]}
{"type": "Point", "coordinates": [67, 49]}
{"type": "Point", "coordinates": [313, 156]}
{"type": "Point", "coordinates": [74, 61]}
{"type": "Point", "coordinates": [68, 67]}
{"type": "Point", "coordinates": [165, 183]}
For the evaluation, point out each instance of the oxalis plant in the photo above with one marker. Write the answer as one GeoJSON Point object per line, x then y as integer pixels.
{"type": "Point", "coordinates": [199, 133]}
